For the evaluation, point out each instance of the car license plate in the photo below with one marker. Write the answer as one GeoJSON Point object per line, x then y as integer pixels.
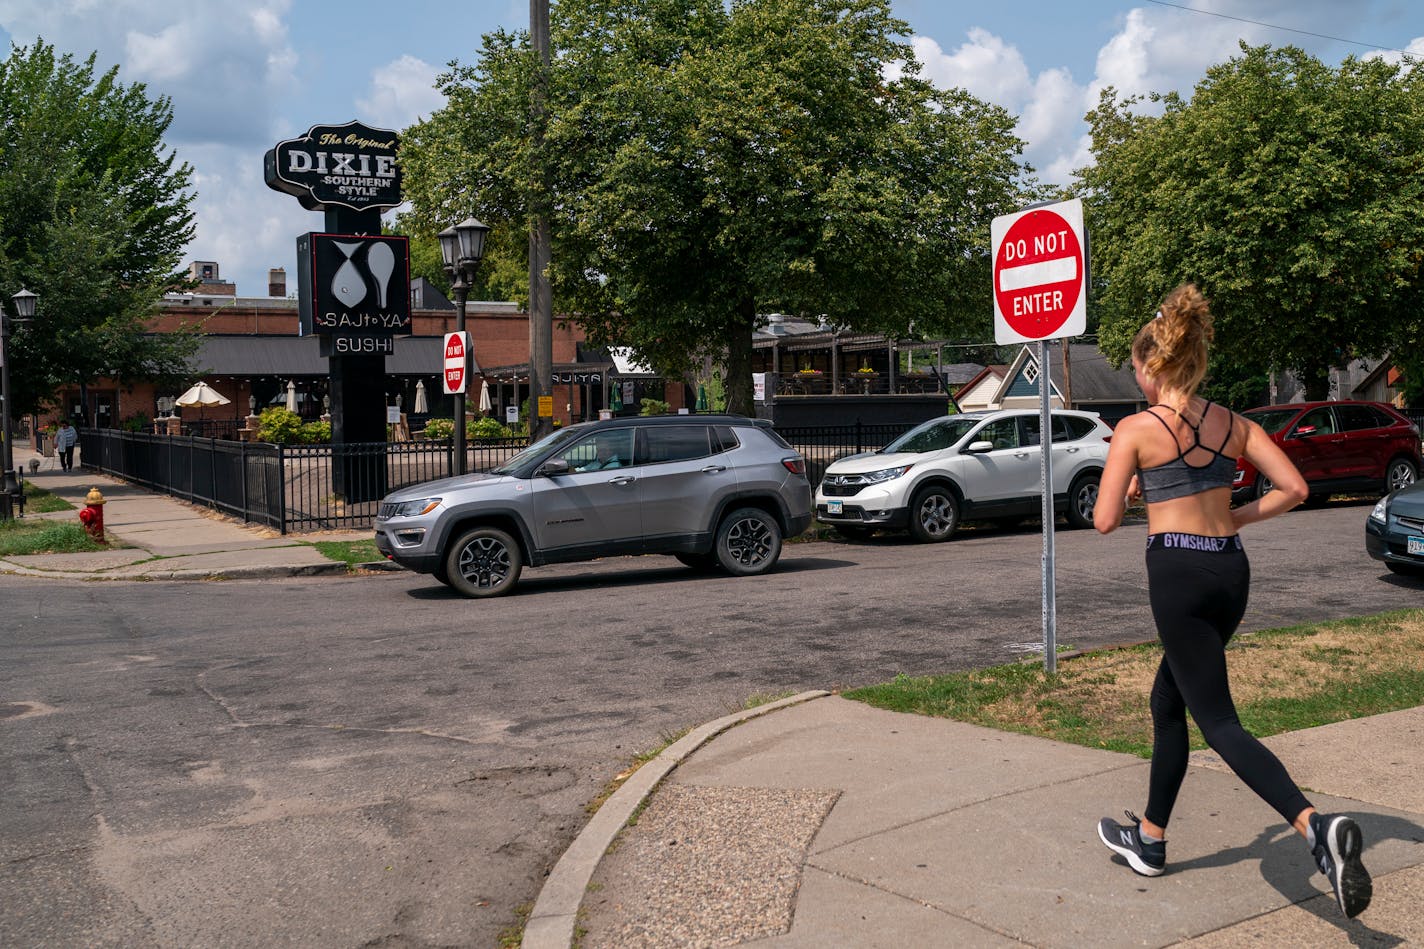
{"type": "Point", "coordinates": [837, 507]}
{"type": "Point", "coordinates": [1416, 546]}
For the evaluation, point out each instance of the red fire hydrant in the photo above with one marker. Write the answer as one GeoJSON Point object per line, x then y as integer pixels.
{"type": "Point", "coordinates": [92, 517]}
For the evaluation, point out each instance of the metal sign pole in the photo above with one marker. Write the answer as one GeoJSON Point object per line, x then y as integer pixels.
{"type": "Point", "coordinates": [1045, 446]}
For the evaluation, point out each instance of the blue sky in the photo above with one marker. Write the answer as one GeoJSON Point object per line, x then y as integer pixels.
{"type": "Point", "coordinates": [245, 74]}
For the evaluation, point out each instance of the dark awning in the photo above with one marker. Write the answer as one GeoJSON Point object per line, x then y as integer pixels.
{"type": "Point", "coordinates": [288, 356]}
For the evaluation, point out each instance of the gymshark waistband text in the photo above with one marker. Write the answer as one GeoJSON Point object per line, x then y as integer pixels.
{"type": "Point", "coordinates": [1194, 542]}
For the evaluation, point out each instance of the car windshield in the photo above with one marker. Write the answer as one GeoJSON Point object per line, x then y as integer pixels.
{"type": "Point", "coordinates": [559, 437]}
{"type": "Point", "coordinates": [1272, 420]}
{"type": "Point", "coordinates": [934, 435]}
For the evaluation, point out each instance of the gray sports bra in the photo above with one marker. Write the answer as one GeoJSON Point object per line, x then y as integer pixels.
{"type": "Point", "coordinates": [1178, 478]}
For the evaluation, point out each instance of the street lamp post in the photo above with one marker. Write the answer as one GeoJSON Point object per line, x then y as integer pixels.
{"type": "Point", "coordinates": [461, 249]}
{"type": "Point", "coordinates": [24, 311]}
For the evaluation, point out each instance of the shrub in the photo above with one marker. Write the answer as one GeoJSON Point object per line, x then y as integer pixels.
{"type": "Point", "coordinates": [316, 433]}
{"type": "Point", "coordinates": [280, 426]}
{"type": "Point", "coordinates": [487, 428]}
{"type": "Point", "coordinates": [138, 422]}
{"type": "Point", "coordinates": [653, 407]}
{"type": "Point", "coordinates": [439, 428]}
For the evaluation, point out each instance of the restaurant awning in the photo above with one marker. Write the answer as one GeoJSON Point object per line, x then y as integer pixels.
{"type": "Point", "coordinates": [288, 356]}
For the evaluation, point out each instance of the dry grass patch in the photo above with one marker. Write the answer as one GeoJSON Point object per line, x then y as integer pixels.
{"type": "Point", "coordinates": [1281, 679]}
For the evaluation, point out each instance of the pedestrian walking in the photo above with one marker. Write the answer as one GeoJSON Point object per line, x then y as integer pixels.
{"type": "Point", "coordinates": [1179, 456]}
{"type": "Point", "coordinates": [64, 441]}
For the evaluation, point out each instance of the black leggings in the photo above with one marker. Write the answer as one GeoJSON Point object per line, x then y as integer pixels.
{"type": "Point", "coordinates": [1198, 588]}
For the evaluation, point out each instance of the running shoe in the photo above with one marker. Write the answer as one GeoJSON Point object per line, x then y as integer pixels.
{"type": "Point", "coordinates": [1148, 859]}
{"type": "Point", "coordinates": [1338, 843]}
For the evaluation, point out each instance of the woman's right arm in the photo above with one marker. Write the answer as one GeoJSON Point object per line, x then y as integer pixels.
{"type": "Point", "coordinates": [1289, 488]}
{"type": "Point", "coordinates": [1118, 472]}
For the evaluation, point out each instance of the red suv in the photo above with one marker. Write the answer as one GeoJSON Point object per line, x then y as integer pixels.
{"type": "Point", "coordinates": [1338, 446]}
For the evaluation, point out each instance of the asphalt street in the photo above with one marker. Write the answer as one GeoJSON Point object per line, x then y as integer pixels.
{"type": "Point", "coordinates": [375, 761]}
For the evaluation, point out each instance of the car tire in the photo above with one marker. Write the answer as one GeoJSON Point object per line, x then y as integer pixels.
{"type": "Point", "coordinates": [748, 542]}
{"type": "Point", "coordinates": [440, 574]}
{"type": "Point", "coordinates": [934, 514]}
{"type": "Point", "coordinates": [855, 533]}
{"type": "Point", "coordinates": [705, 563]}
{"type": "Point", "coordinates": [1263, 487]}
{"type": "Point", "coordinates": [483, 562]}
{"type": "Point", "coordinates": [1401, 473]}
{"type": "Point", "coordinates": [1082, 499]}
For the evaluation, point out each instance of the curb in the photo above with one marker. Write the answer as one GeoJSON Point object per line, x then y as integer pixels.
{"type": "Point", "coordinates": [551, 923]}
{"type": "Point", "coordinates": [334, 568]}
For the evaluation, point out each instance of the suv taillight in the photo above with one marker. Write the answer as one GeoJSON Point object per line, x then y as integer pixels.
{"type": "Point", "coordinates": [795, 464]}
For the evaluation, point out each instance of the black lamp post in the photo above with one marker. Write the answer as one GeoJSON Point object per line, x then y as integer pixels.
{"type": "Point", "coordinates": [461, 249]}
{"type": "Point", "coordinates": [24, 312]}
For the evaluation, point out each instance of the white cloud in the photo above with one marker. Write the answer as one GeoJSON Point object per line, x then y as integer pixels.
{"type": "Point", "coordinates": [986, 66]}
{"type": "Point", "coordinates": [1153, 50]}
{"type": "Point", "coordinates": [224, 68]}
{"type": "Point", "coordinates": [402, 91]}
{"type": "Point", "coordinates": [1414, 49]}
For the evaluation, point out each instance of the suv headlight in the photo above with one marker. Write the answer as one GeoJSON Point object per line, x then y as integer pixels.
{"type": "Point", "coordinates": [1378, 515]}
{"type": "Point", "coordinates": [885, 474]}
{"type": "Point", "coordinates": [415, 508]}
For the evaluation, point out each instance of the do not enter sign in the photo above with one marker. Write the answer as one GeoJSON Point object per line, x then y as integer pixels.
{"type": "Point", "coordinates": [1040, 273]}
{"type": "Point", "coordinates": [455, 362]}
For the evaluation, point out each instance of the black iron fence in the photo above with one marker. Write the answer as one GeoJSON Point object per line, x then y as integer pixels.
{"type": "Point", "coordinates": [295, 488]}
{"type": "Point", "coordinates": [286, 487]}
{"type": "Point", "coordinates": [234, 477]}
{"type": "Point", "coordinates": [822, 444]}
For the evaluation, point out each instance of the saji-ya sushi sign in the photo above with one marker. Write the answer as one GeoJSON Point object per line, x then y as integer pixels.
{"type": "Point", "coordinates": [1040, 273]}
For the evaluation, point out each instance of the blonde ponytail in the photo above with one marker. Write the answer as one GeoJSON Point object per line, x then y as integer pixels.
{"type": "Point", "coordinates": [1172, 348]}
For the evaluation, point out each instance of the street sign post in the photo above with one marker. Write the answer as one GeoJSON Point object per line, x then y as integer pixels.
{"type": "Point", "coordinates": [1041, 293]}
{"type": "Point", "coordinates": [457, 362]}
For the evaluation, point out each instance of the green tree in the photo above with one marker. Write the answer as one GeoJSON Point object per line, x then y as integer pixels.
{"type": "Point", "coordinates": [94, 217]}
{"type": "Point", "coordinates": [502, 275]}
{"type": "Point", "coordinates": [1289, 190]}
{"type": "Point", "coordinates": [710, 162]}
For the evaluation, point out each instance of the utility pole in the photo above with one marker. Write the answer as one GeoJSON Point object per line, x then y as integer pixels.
{"type": "Point", "coordinates": [541, 306]}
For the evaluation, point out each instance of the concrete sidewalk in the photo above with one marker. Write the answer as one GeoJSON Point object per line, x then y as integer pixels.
{"type": "Point", "coordinates": [161, 538]}
{"type": "Point", "coordinates": [826, 822]}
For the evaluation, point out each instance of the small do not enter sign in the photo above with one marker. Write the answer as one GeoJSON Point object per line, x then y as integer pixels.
{"type": "Point", "coordinates": [456, 346]}
{"type": "Point", "coordinates": [1040, 273]}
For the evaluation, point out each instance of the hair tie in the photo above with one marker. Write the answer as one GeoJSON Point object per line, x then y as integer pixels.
{"type": "Point", "coordinates": [1158, 316]}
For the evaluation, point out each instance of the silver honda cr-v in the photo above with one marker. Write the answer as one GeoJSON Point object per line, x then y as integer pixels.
{"type": "Point", "coordinates": [716, 491]}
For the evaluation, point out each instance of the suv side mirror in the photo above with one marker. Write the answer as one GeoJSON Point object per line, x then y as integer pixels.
{"type": "Point", "coordinates": [554, 466]}
{"type": "Point", "coordinates": [1303, 431]}
{"type": "Point", "coordinates": [974, 448]}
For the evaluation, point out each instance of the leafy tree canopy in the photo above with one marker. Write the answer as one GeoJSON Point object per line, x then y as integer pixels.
{"type": "Point", "coordinates": [94, 217]}
{"type": "Point", "coordinates": [704, 162]}
{"type": "Point", "coordinates": [1290, 191]}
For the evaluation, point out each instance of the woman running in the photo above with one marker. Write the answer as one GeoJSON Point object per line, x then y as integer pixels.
{"type": "Point", "coordinates": [1179, 456]}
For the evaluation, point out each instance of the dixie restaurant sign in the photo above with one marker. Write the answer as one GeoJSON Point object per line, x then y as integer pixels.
{"type": "Point", "coordinates": [352, 166]}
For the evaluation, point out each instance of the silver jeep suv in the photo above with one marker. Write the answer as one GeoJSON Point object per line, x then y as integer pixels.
{"type": "Point", "coordinates": [715, 491]}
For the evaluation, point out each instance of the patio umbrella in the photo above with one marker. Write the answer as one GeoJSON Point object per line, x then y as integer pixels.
{"type": "Point", "coordinates": [485, 403]}
{"type": "Point", "coordinates": [291, 396]}
{"type": "Point", "coordinates": [202, 394]}
{"type": "Point", "coordinates": [422, 406]}
{"type": "Point", "coordinates": [702, 405]}
{"type": "Point", "coordinates": [615, 397]}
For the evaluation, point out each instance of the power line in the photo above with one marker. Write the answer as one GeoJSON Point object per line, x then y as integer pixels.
{"type": "Point", "coordinates": [1275, 26]}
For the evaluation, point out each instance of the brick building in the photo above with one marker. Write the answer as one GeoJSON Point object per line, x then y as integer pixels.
{"type": "Point", "coordinates": [250, 352]}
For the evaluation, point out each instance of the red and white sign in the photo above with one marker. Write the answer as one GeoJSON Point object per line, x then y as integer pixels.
{"type": "Point", "coordinates": [1040, 273]}
{"type": "Point", "coordinates": [456, 346]}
